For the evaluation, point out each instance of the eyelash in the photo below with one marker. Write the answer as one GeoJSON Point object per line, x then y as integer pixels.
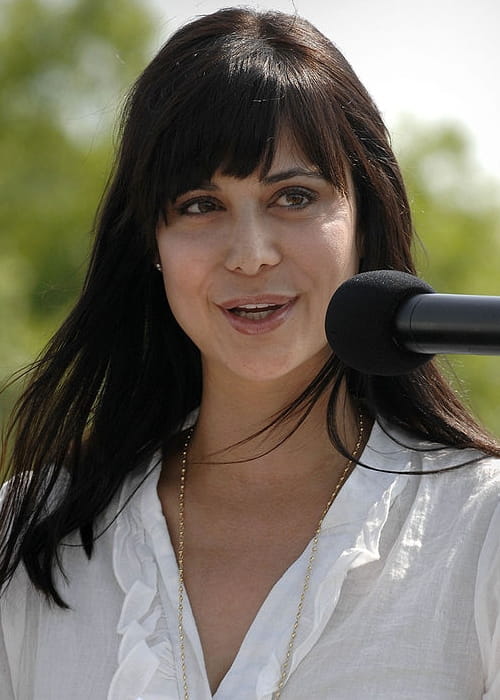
{"type": "Point", "coordinates": [183, 208]}
{"type": "Point", "coordinates": [308, 195]}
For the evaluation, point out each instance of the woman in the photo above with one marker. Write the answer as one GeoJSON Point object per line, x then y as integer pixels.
{"type": "Point", "coordinates": [183, 517]}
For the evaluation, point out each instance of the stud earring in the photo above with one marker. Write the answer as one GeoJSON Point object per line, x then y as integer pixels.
{"type": "Point", "coordinates": [158, 267]}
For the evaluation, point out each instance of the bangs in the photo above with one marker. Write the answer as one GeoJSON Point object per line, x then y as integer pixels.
{"type": "Point", "coordinates": [230, 115]}
{"type": "Point", "coordinates": [232, 127]}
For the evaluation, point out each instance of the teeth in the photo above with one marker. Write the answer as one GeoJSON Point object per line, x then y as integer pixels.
{"type": "Point", "coordinates": [255, 315]}
{"type": "Point", "coordinates": [255, 312]}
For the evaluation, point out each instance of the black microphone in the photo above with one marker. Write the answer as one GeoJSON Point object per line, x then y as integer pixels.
{"type": "Point", "coordinates": [386, 322]}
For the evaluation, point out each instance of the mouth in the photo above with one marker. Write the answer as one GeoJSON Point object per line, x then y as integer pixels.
{"type": "Point", "coordinates": [255, 312]}
{"type": "Point", "coordinates": [253, 316]}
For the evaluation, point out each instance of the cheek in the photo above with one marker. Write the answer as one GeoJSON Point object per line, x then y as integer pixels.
{"type": "Point", "coordinates": [336, 257]}
{"type": "Point", "coordinates": [185, 270]}
{"type": "Point", "coordinates": [181, 284]}
{"type": "Point", "coordinates": [183, 299]}
{"type": "Point", "coordinates": [177, 257]}
{"type": "Point", "coordinates": [177, 275]}
{"type": "Point", "coordinates": [182, 253]}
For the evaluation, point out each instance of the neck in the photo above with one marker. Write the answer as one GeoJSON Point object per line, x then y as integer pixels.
{"type": "Point", "coordinates": [222, 451]}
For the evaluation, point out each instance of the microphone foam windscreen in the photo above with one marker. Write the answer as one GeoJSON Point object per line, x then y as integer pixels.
{"type": "Point", "coordinates": [360, 319]}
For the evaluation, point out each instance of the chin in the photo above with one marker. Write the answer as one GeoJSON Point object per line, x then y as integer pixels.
{"type": "Point", "coordinates": [278, 368]}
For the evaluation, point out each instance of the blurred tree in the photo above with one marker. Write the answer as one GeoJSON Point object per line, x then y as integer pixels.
{"type": "Point", "coordinates": [457, 216]}
{"type": "Point", "coordinates": [64, 70]}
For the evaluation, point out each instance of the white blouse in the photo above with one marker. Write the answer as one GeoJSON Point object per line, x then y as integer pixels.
{"type": "Point", "coordinates": [403, 604]}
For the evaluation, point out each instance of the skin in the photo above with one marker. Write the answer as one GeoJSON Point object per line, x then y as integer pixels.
{"type": "Point", "coordinates": [291, 234]}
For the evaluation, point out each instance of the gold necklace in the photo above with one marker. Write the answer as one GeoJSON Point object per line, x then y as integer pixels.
{"type": "Point", "coordinates": [307, 579]}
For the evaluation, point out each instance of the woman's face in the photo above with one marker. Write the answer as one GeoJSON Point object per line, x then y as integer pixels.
{"type": "Point", "coordinates": [250, 265]}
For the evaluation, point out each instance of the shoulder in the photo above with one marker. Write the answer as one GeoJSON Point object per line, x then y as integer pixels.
{"type": "Point", "coordinates": [76, 568]}
{"type": "Point", "coordinates": [90, 587]}
{"type": "Point", "coordinates": [414, 454]}
{"type": "Point", "coordinates": [443, 484]}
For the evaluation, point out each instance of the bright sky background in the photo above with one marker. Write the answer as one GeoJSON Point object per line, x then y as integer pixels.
{"type": "Point", "coordinates": [437, 60]}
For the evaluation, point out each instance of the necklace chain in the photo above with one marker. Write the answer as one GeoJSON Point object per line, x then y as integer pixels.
{"type": "Point", "coordinates": [307, 578]}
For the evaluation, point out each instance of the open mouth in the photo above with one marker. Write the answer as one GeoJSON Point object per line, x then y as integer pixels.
{"type": "Point", "coordinates": [255, 312]}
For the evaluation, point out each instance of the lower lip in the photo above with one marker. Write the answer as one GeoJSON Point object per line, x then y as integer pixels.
{"type": "Point", "coordinates": [249, 326]}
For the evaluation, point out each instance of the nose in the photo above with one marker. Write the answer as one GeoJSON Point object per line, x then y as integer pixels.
{"type": "Point", "coordinates": [253, 246]}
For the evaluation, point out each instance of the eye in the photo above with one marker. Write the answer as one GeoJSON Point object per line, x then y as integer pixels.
{"type": "Point", "coordinates": [295, 198]}
{"type": "Point", "coordinates": [198, 206]}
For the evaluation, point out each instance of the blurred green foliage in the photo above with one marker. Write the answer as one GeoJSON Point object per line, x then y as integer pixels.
{"type": "Point", "coordinates": [64, 71]}
{"type": "Point", "coordinates": [456, 210]}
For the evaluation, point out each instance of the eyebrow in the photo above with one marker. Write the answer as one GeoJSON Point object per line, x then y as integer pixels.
{"type": "Point", "coordinates": [288, 174]}
{"type": "Point", "coordinates": [268, 179]}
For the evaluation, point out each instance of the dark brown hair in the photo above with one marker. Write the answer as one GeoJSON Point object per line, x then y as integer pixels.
{"type": "Point", "coordinates": [119, 376]}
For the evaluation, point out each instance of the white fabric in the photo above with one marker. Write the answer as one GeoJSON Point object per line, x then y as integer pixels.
{"type": "Point", "coordinates": [403, 604]}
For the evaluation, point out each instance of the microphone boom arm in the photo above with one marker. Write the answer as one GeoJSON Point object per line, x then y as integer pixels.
{"type": "Point", "coordinates": [434, 323]}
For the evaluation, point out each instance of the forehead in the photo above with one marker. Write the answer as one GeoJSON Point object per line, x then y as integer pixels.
{"type": "Point", "coordinates": [287, 155]}
{"type": "Point", "coordinates": [196, 162]}
{"type": "Point", "coordinates": [288, 159]}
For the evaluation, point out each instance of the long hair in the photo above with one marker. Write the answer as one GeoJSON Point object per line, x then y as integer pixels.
{"type": "Point", "coordinates": [118, 378]}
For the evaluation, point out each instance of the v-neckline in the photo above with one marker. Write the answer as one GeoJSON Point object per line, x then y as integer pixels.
{"type": "Point", "coordinates": [283, 590]}
{"type": "Point", "coordinates": [263, 648]}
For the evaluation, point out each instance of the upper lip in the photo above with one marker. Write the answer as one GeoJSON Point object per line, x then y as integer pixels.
{"type": "Point", "coordinates": [267, 299]}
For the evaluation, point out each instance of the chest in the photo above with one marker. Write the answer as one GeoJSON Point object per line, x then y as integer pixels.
{"type": "Point", "coordinates": [398, 623]}
{"type": "Point", "coordinates": [226, 592]}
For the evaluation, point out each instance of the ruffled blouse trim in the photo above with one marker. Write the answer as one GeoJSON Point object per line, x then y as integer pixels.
{"type": "Point", "coordinates": [146, 667]}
